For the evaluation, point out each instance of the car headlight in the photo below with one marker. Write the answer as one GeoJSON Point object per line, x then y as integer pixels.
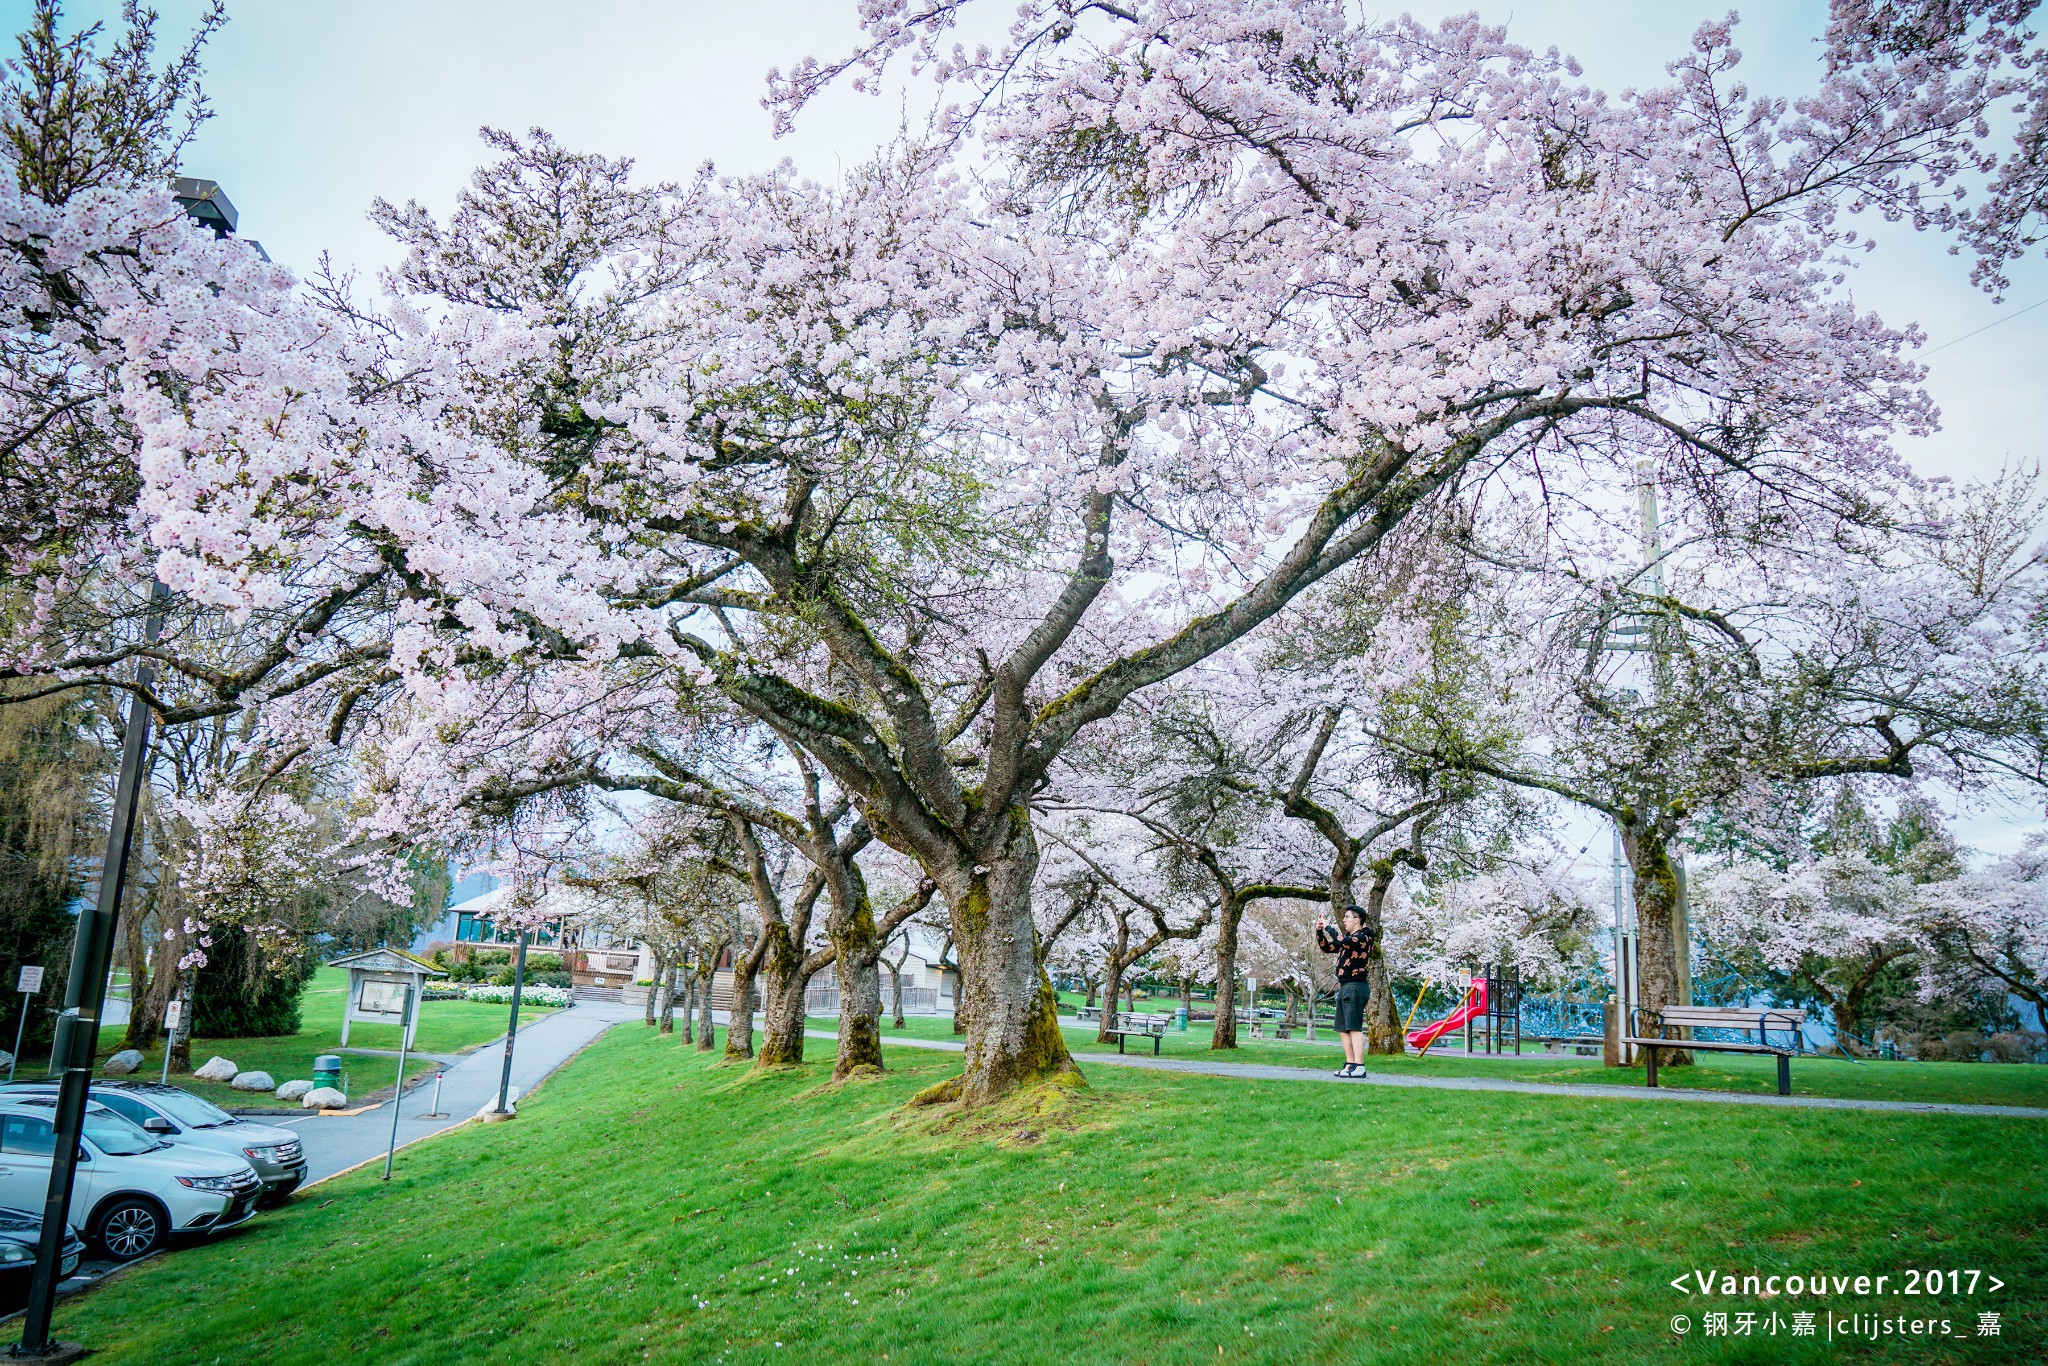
{"type": "Point", "coordinates": [224, 1184]}
{"type": "Point", "coordinates": [275, 1153]}
{"type": "Point", "coordinates": [15, 1252]}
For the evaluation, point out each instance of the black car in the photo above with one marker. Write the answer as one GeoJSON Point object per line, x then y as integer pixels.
{"type": "Point", "coordinates": [19, 1233]}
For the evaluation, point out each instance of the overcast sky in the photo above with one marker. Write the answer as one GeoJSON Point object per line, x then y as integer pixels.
{"type": "Point", "coordinates": [322, 106]}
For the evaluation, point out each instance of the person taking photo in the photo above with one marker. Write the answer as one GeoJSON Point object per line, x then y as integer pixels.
{"type": "Point", "coordinates": [1352, 945]}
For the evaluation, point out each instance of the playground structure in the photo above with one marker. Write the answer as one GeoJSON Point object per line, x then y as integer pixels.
{"type": "Point", "coordinates": [1489, 1012]}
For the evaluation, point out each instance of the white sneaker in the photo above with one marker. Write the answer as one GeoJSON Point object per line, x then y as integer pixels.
{"type": "Point", "coordinates": [1343, 1071]}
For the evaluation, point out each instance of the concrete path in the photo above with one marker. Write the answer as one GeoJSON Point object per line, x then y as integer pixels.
{"type": "Point", "coordinates": [336, 1142]}
{"type": "Point", "coordinates": [1264, 1072]}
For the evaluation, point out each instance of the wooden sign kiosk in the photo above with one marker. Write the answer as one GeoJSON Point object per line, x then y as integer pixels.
{"type": "Point", "coordinates": [380, 983]}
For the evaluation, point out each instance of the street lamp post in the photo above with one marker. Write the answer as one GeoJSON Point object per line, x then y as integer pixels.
{"type": "Point", "coordinates": [512, 1028]}
{"type": "Point", "coordinates": [85, 991]}
{"type": "Point", "coordinates": [92, 946]}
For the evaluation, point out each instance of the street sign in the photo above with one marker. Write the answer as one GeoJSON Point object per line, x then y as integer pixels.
{"type": "Point", "coordinates": [31, 979]}
{"type": "Point", "coordinates": [173, 1014]}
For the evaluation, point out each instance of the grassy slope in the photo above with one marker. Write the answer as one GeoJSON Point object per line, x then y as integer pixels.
{"type": "Point", "coordinates": [1969, 1083]}
{"type": "Point", "coordinates": [651, 1205]}
{"type": "Point", "coordinates": [445, 1027]}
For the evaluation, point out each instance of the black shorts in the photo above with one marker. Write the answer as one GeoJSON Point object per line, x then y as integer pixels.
{"type": "Point", "coordinates": [1351, 1007]}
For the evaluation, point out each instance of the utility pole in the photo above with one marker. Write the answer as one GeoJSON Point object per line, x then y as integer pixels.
{"type": "Point", "coordinates": [1662, 647]}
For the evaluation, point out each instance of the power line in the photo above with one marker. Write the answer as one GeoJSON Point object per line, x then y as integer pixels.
{"type": "Point", "coordinates": [1985, 328]}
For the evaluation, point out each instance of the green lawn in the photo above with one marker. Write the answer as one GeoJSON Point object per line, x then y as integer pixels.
{"type": "Point", "coordinates": [445, 1027]}
{"type": "Point", "coordinates": [653, 1205]}
{"type": "Point", "coordinates": [1968, 1083]}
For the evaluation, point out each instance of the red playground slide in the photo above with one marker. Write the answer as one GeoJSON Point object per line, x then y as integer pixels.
{"type": "Point", "coordinates": [1474, 1004]}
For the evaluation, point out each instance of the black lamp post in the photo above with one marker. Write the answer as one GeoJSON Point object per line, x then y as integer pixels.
{"type": "Point", "coordinates": [92, 947]}
{"type": "Point", "coordinates": [78, 1027]}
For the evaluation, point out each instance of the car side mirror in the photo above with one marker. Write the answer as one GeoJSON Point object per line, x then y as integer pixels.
{"type": "Point", "coordinates": [157, 1124]}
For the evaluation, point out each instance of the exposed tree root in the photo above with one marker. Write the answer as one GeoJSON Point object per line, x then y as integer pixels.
{"type": "Point", "coordinates": [1061, 1102]}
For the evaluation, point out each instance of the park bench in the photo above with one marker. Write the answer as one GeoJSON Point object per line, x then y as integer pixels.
{"type": "Point", "coordinates": [1085, 1013]}
{"type": "Point", "coordinates": [1145, 1026]}
{"type": "Point", "coordinates": [1763, 1023]}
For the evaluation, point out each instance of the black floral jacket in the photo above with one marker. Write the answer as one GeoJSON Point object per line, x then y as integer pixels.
{"type": "Point", "coordinates": [1351, 950]}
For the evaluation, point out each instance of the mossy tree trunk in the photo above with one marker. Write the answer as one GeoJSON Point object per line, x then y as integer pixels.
{"type": "Point", "coordinates": [1660, 978]}
{"type": "Point", "coordinates": [739, 1030]}
{"type": "Point", "coordinates": [1007, 1006]}
{"type": "Point", "coordinates": [707, 971]}
{"type": "Point", "coordinates": [858, 939]}
{"type": "Point", "coordinates": [664, 998]}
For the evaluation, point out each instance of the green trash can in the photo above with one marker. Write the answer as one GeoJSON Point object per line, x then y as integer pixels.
{"type": "Point", "coordinates": [327, 1071]}
{"type": "Point", "coordinates": [1180, 1019]}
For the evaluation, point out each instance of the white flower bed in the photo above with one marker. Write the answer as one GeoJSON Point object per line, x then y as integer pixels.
{"type": "Point", "coordinates": [540, 996]}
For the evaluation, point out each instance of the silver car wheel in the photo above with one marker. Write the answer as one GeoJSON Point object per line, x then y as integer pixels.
{"type": "Point", "coordinates": [130, 1230]}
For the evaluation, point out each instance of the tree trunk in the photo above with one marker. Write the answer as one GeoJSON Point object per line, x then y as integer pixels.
{"type": "Point", "coordinates": [1012, 1019]}
{"type": "Point", "coordinates": [1187, 995]}
{"type": "Point", "coordinates": [959, 987]}
{"type": "Point", "coordinates": [654, 986]}
{"type": "Point", "coordinates": [739, 1031]}
{"type": "Point", "coordinates": [1293, 1001]}
{"type": "Point", "coordinates": [689, 994]}
{"type": "Point", "coordinates": [1848, 1013]}
{"type": "Point", "coordinates": [896, 992]}
{"type": "Point", "coordinates": [1227, 919]}
{"type": "Point", "coordinates": [180, 1044]}
{"type": "Point", "coordinates": [782, 1000]}
{"type": "Point", "coordinates": [1656, 895]}
{"type": "Point", "coordinates": [145, 1011]}
{"type": "Point", "coordinates": [1113, 984]}
{"type": "Point", "coordinates": [664, 998]}
{"type": "Point", "coordinates": [1094, 989]}
{"type": "Point", "coordinates": [858, 955]}
{"type": "Point", "coordinates": [1113, 979]}
{"type": "Point", "coordinates": [707, 1032]}
{"type": "Point", "coordinates": [1382, 1024]}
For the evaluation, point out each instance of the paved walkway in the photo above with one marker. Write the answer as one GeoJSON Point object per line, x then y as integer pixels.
{"type": "Point", "coordinates": [336, 1142]}
{"type": "Point", "coordinates": [1264, 1072]}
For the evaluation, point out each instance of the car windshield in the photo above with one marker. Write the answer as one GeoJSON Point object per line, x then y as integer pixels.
{"type": "Point", "coordinates": [190, 1110]}
{"type": "Point", "coordinates": [115, 1135]}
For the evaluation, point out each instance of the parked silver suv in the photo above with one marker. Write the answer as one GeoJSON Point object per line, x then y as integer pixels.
{"type": "Point", "coordinates": [181, 1118]}
{"type": "Point", "coordinates": [132, 1191]}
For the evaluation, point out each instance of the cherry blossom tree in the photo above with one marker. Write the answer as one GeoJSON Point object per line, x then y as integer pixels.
{"type": "Point", "coordinates": [1132, 897]}
{"type": "Point", "coordinates": [1538, 919]}
{"type": "Point", "coordinates": [1987, 929]}
{"type": "Point", "coordinates": [935, 469]}
{"type": "Point", "coordinates": [1834, 924]}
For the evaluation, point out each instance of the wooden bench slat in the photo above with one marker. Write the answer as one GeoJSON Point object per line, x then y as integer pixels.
{"type": "Point", "coordinates": [1708, 1045]}
{"type": "Point", "coordinates": [1717, 1017]}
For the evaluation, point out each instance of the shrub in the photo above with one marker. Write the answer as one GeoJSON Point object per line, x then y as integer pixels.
{"type": "Point", "coordinates": [542, 962]}
{"type": "Point", "coordinates": [238, 995]}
